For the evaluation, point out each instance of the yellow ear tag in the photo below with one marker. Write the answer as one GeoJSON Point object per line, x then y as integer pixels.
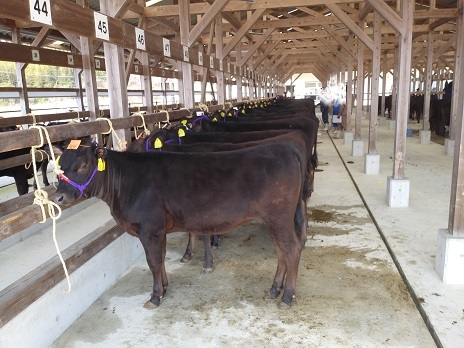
{"type": "Point", "coordinates": [215, 119]}
{"type": "Point", "coordinates": [229, 114]}
{"type": "Point", "coordinates": [184, 122]}
{"type": "Point", "coordinates": [158, 143]}
{"type": "Point", "coordinates": [222, 114]}
{"type": "Point", "coordinates": [101, 166]}
{"type": "Point", "coordinates": [243, 111]}
{"type": "Point", "coordinates": [181, 133]}
{"type": "Point", "coordinates": [57, 161]}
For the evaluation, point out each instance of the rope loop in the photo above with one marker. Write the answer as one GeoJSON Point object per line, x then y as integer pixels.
{"type": "Point", "coordinates": [203, 107]}
{"type": "Point", "coordinates": [145, 130]}
{"type": "Point", "coordinates": [34, 121]}
{"type": "Point", "coordinates": [41, 196]}
{"type": "Point", "coordinates": [121, 143]}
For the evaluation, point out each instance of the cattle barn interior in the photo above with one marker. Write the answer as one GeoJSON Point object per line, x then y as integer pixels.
{"type": "Point", "coordinates": [382, 263]}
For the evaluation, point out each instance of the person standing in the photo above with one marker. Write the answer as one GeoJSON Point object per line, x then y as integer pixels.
{"type": "Point", "coordinates": [325, 113]}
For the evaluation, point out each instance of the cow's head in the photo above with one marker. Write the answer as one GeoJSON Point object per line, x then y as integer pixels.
{"type": "Point", "coordinates": [79, 163]}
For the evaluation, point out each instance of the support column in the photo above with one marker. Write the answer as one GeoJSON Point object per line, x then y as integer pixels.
{"type": "Point", "coordinates": [21, 76]}
{"type": "Point", "coordinates": [186, 84]}
{"type": "Point", "coordinates": [358, 143]}
{"type": "Point", "coordinates": [398, 185]}
{"type": "Point", "coordinates": [449, 261]}
{"type": "Point", "coordinates": [372, 158]}
{"type": "Point", "coordinates": [424, 133]}
{"type": "Point", "coordinates": [116, 76]}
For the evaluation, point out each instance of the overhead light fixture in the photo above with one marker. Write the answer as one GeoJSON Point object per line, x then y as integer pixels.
{"type": "Point", "coordinates": [152, 2]}
{"type": "Point", "coordinates": [292, 11]}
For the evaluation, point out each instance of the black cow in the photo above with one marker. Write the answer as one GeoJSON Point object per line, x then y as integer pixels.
{"type": "Point", "coordinates": [262, 182]}
{"type": "Point", "coordinates": [440, 110]}
{"type": "Point", "coordinates": [416, 107]}
{"type": "Point", "coordinates": [388, 104]}
{"type": "Point", "coordinates": [148, 144]}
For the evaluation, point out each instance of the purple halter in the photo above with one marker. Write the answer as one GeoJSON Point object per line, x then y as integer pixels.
{"type": "Point", "coordinates": [80, 187]}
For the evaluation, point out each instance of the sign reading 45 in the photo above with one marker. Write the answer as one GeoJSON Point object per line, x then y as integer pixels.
{"type": "Point", "coordinates": [41, 11]}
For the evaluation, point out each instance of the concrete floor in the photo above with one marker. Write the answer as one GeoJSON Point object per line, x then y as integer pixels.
{"type": "Point", "coordinates": [349, 291]}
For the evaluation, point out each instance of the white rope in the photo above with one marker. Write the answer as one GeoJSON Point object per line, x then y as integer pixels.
{"type": "Point", "coordinates": [34, 121]}
{"type": "Point", "coordinates": [203, 107]}
{"type": "Point", "coordinates": [121, 143]}
{"type": "Point", "coordinates": [145, 130]}
{"type": "Point", "coordinates": [167, 118]}
{"type": "Point", "coordinates": [41, 197]}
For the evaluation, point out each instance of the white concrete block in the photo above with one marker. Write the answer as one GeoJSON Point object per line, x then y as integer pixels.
{"type": "Point", "coordinates": [397, 192]}
{"type": "Point", "coordinates": [392, 125]}
{"type": "Point", "coordinates": [424, 137]}
{"type": "Point", "coordinates": [347, 137]}
{"type": "Point", "coordinates": [371, 164]}
{"type": "Point", "coordinates": [358, 148]}
{"type": "Point", "coordinates": [449, 261]}
{"type": "Point", "coordinates": [48, 317]}
{"type": "Point", "coordinates": [449, 147]}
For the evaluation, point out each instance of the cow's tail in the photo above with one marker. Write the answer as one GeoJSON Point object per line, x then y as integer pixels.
{"type": "Point", "coordinates": [301, 222]}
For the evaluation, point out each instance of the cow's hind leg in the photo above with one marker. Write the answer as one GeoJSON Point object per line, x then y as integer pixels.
{"type": "Point", "coordinates": [189, 250]}
{"type": "Point", "coordinates": [288, 246]}
{"type": "Point", "coordinates": [209, 260]}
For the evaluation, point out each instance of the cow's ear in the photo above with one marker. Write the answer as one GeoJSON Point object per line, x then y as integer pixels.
{"type": "Point", "coordinates": [100, 152]}
{"type": "Point", "coordinates": [57, 151]}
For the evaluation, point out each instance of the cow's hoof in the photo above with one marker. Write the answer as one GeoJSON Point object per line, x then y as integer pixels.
{"type": "Point", "coordinates": [186, 258]}
{"type": "Point", "coordinates": [274, 292]}
{"type": "Point", "coordinates": [207, 270]}
{"type": "Point", "coordinates": [283, 305]}
{"type": "Point", "coordinates": [150, 305]}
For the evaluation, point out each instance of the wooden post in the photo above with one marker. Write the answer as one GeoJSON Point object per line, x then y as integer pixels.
{"type": "Point", "coordinates": [458, 66]}
{"type": "Point", "coordinates": [372, 149]}
{"type": "Point", "coordinates": [428, 82]}
{"type": "Point", "coordinates": [359, 91]}
{"type": "Point", "coordinates": [402, 107]}
{"type": "Point", "coordinates": [395, 84]}
{"type": "Point", "coordinates": [220, 83]}
{"type": "Point", "coordinates": [384, 84]}
{"type": "Point", "coordinates": [349, 95]}
{"type": "Point", "coordinates": [116, 76]}
{"type": "Point", "coordinates": [21, 76]}
{"type": "Point", "coordinates": [187, 72]}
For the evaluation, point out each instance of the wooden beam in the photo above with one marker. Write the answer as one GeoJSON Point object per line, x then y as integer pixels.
{"type": "Point", "coordinates": [206, 20]}
{"type": "Point", "coordinates": [241, 33]}
{"type": "Point", "coordinates": [235, 6]}
{"type": "Point", "coordinates": [388, 14]}
{"type": "Point", "coordinates": [255, 47]}
{"type": "Point", "coordinates": [351, 25]}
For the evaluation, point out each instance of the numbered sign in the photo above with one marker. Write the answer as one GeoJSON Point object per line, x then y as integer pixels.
{"type": "Point", "coordinates": [235, 70]}
{"type": "Point", "coordinates": [41, 11]}
{"type": "Point", "coordinates": [220, 65]}
{"type": "Point", "coordinates": [211, 62]}
{"type": "Point", "coordinates": [140, 39]}
{"type": "Point", "coordinates": [163, 72]}
{"type": "Point", "coordinates": [186, 53]}
{"type": "Point", "coordinates": [97, 63]}
{"type": "Point", "coordinates": [136, 68]}
{"type": "Point", "coordinates": [101, 26]}
{"type": "Point", "coordinates": [70, 59]}
{"type": "Point", "coordinates": [166, 47]}
{"type": "Point", "coordinates": [228, 68]}
{"type": "Point", "coordinates": [200, 58]}
{"type": "Point", "coordinates": [35, 55]}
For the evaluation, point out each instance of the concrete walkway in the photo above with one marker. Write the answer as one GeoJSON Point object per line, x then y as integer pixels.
{"type": "Point", "coordinates": [411, 232]}
{"type": "Point", "coordinates": [349, 291]}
